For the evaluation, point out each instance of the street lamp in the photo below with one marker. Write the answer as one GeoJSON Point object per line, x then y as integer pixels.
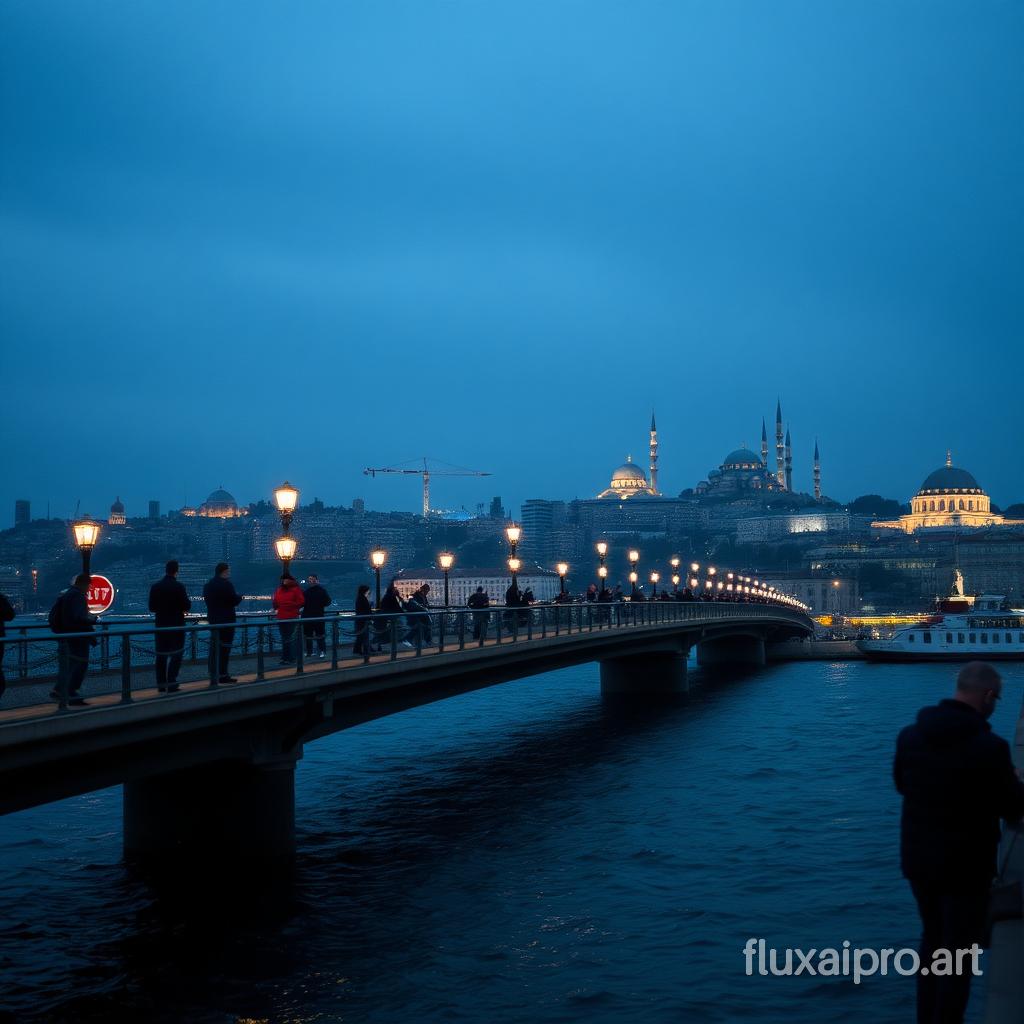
{"type": "Point", "coordinates": [86, 534]}
{"type": "Point", "coordinates": [378, 556]}
{"type": "Point", "coordinates": [602, 549]}
{"type": "Point", "coordinates": [514, 565]}
{"type": "Point", "coordinates": [286, 552]}
{"type": "Point", "coordinates": [286, 498]}
{"type": "Point", "coordinates": [674, 561]}
{"type": "Point", "coordinates": [513, 532]}
{"type": "Point", "coordinates": [563, 568]}
{"type": "Point", "coordinates": [602, 572]}
{"type": "Point", "coordinates": [446, 561]}
{"type": "Point", "coordinates": [633, 577]}
{"type": "Point", "coordinates": [634, 557]}
{"type": "Point", "coordinates": [654, 583]}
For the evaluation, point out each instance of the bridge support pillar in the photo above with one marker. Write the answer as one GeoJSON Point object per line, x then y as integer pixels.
{"type": "Point", "coordinates": [650, 673]}
{"type": "Point", "coordinates": [228, 812]}
{"type": "Point", "coordinates": [732, 651]}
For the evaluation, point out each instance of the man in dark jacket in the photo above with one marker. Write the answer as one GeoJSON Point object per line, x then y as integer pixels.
{"type": "Point", "coordinates": [479, 602]}
{"type": "Point", "coordinates": [957, 780]}
{"type": "Point", "coordinates": [168, 601]}
{"type": "Point", "coordinates": [6, 615]}
{"type": "Point", "coordinates": [71, 615]}
{"type": "Point", "coordinates": [317, 600]}
{"type": "Point", "coordinates": [391, 605]}
{"type": "Point", "coordinates": [221, 601]}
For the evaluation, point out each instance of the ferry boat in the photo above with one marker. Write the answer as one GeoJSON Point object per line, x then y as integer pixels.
{"type": "Point", "coordinates": [965, 628]}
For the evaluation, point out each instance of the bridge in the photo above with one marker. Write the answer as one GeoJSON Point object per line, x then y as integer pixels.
{"type": "Point", "coordinates": [209, 771]}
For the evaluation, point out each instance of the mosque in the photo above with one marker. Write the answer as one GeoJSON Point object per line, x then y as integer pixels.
{"type": "Point", "coordinates": [949, 497]}
{"type": "Point", "coordinates": [219, 505]}
{"type": "Point", "coordinates": [742, 474]}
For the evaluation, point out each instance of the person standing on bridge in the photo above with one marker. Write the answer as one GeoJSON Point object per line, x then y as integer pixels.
{"type": "Point", "coordinates": [288, 602]}
{"type": "Point", "coordinates": [168, 601]}
{"type": "Point", "coordinates": [221, 601]}
{"type": "Point", "coordinates": [364, 612]}
{"type": "Point", "coordinates": [317, 600]}
{"type": "Point", "coordinates": [479, 602]}
{"type": "Point", "coordinates": [957, 780]}
{"type": "Point", "coordinates": [70, 614]}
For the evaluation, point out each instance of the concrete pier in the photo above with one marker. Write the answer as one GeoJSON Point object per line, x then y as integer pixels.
{"type": "Point", "coordinates": [651, 673]}
{"type": "Point", "coordinates": [733, 651]}
{"type": "Point", "coordinates": [228, 812]}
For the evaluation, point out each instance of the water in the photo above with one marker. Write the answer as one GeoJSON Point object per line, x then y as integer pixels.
{"type": "Point", "coordinates": [521, 853]}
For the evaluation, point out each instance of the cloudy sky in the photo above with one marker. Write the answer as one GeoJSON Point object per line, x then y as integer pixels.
{"type": "Point", "coordinates": [242, 241]}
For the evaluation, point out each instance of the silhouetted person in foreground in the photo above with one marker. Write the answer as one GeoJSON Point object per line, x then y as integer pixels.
{"type": "Point", "coordinates": [391, 605]}
{"type": "Point", "coordinates": [6, 615]}
{"type": "Point", "coordinates": [317, 600]}
{"type": "Point", "coordinates": [479, 602]}
{"type": "Point", "coordinates": [70, 614]}
{"type": "Point", "coordinates": [221, 601]}
{"type": "Point", "coordinates": [363, 619]}
{"type": "Point", "coordinates": [957, 780]}
{"type": "Point", "coordinates": [288, 603]}
{"type": "Point", "coordinates": [168, 601]}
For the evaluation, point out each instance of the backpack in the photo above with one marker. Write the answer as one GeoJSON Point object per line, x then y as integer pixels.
{"type": "Point", "coordinates": [56, 616]}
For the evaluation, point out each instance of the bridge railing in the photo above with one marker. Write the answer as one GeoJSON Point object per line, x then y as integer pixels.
{"type": "Point", "coordinates": [126, 654]}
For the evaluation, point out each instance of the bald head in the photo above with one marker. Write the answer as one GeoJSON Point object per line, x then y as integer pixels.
{"type": "Point", "coordinates": [979, 685]}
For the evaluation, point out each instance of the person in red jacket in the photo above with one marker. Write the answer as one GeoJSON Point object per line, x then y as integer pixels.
{"type": "Point", "coordinates": [288, 602]}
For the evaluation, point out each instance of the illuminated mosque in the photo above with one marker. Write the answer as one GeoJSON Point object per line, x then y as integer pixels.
{"type": "Point", "coordinates": [949, 497]}
{"type": "Point", "coordinates": [219, 505]}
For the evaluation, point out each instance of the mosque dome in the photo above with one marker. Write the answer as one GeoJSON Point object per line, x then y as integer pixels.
{"type": "Point", "coordinates": [220, 504]}
{"type": "Point", "coordinates": [949, 479]}
{"type": "Point", "coordinates": [221, 497]}
{"type": "Point", "coordinates": [629, 475]}
{"type": "Point", "coordinates": [118, 507]}
{"type": "Point", "coordinates": [742, 458]}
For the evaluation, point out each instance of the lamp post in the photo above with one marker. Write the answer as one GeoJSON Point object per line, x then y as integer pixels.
{"type": "Point", "coordinates": [654, 584]}
{"type": "Point", "coordinates": [602, 549]}
{"type": "Point", "coordinates": [563, 568]}
{"type": "Point", "coordinates": [633, 577]}
{"type": "Point", "coordinates": [634, 557]}
{"type": "Point", "coordinates": [513, 532]}
{"type": "Point", "coordinates": [514, 565]}
{"type": "Point", "coordinates": [86, 534]}
{"type": "Point", "coordinates": [286, 498]}
{"type": "Point", "coordinates": [674, 561]}
{"type": "Point", "coordinates": [602, 575]}
{"type": "Point", "coordinates": [446, 561]}
{"type": "Point", "coordinates": [378, 556]}
{"type": "Point", "coordinates": [286, 552]}
{"type": "Point", "coordinates": [675, 583]}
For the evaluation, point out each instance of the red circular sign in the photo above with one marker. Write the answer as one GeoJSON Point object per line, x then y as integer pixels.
{"type": "Point", "coordinates": [100, 595]}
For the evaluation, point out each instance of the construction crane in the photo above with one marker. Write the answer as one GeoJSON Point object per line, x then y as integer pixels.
{"type": "Point", "coordinates": [426, 473]}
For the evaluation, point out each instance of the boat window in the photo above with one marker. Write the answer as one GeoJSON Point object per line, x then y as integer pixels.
{"type": "Point", "coordinates": [984, 638]}
{"type": "Point", "coordinates": [949, 638]}
{"type": "Point", "coordinates": [973, 638]}
{"type": "Point", "coordinates": [959, 638]}
{"type": "Point", "coordinates": [927, 638]}
{"type": "Point", "coordinates": [911, 637]}
{"type": "Point", "coordinates": [1009, 638]}
{"type": "Point", "coordinates": [995, 638]}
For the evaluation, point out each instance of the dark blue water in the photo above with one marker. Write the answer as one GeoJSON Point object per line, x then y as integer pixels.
{"type": "Point", "coordinates": [523, 853]}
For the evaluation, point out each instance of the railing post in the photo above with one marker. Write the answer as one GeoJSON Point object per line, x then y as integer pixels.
{"type": "Point", "coordinates": [298, 642]}
{"type": "Point", "coordinates": [497, 629]}
{"type": "Point", "coordinates": [194, 645]}
{"type": "Point", "coordinates": [440, 633]}
{"type": "Point", "coordinates": [394, 638]}
{"type": "Point", "coordinates": [260, 664]}
{"type": "Point", "coordinates": [462, 631]}
{"type": "Point", "coordinates": [590, 618]}
{"type": "Point", "coordinates": [126, 669]}
{"type": "Point", "coordinates": [486, 627]}
{"type": "Point", "coordinates": [215, 658]}
{"type": "Point", "coordinates": [245, 638]}
{"type": "Point", "coordinates": [23, 655]}
{"type": "Point", "coordinates": [543, 621]}
{"type": "Point", "coordinates": [104, 647]}
{"type": "Point", "coordinates": [334, 639]}
{"type": "Point", "coordinates": [529, 624]}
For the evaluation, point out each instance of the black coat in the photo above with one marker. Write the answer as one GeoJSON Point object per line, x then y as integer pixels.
{"type": "Point", "coordinates": [317, 600]}
{"type": "Point", "coordinates": [391, 602]}
{"type": "Point", "coordinates": [6, 612]}
{"type": "Point", "coordinates": [363, 606]}
{"type": "Point", "coordinates": [75, 616]}
{"type": "Point", "coordinates": [478, 601]}
{"type": "Point", "coordinates": [168, 601]}
{"type": "Point", "coordinates": [957, 781]}
{"type": "Point", "coordinates": [221, 600]}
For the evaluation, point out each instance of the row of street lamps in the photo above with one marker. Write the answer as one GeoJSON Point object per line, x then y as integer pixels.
{"type": "Point", "coordinates": [286, 497]}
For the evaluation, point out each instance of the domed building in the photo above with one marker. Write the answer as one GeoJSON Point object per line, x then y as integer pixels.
{"type": "Point", "coordinates": [221, 505]}
{"type": "Point", "coordinates": [949, 497]}
{"type": "Point", "coordinates": [117, 516]}
{"type": "Point", "coordinates": [628, 481]}
{"type": "Point", "coordinates": [741, 471]}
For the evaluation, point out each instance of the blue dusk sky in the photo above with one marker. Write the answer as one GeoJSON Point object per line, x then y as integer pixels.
{"type": "Point", "coordinates": [244, 241]}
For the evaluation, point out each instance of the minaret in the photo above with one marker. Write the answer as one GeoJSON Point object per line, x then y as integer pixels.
{"type": "Point", "coordinates": [654, 455]}
{"type": "Point", "coordinates": [780, 447]}
{"type": "Point", "coordinates": [789, 462]}
{"type": "Point", "coordinates": [817, 472]}
{"type": "Point", "coordinates": [764, 445]}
